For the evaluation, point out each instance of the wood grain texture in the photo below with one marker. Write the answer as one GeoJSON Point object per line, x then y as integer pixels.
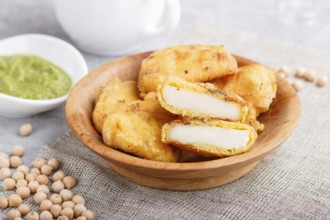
{"type": "Point", "coordinates": [280, 121]}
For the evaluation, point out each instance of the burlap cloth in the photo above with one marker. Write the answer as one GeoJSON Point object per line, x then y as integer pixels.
{"type": "Point", "coordinates": [293, 182]}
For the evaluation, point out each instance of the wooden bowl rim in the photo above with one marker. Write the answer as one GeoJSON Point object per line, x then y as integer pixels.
{"type": "Point", "coordinates": [118, 157]}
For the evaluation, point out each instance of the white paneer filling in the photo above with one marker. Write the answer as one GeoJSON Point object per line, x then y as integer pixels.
{"type": "Point", "coordinates": [204, 103]}
{"type": "Point", "coordinates": [213, 136]}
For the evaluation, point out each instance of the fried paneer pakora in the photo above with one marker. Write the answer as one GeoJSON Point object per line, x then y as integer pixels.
{"type": "Point", "coordinates": [200, 100]}
{"type": "Point", "coordinates": [133, 125]}
{"type": "Point", "coordinates": [191, 98]}
{"type": "Point", "coordinates": [115, 95]}
{"type": "Point", "coordinates": [138, 133]}
{"type": "Point", "coordinates": [194, 63]}
{"type": "Point", "coordinates": [256, 84]}
{"type": "Point", "coordinates": [210, 138]}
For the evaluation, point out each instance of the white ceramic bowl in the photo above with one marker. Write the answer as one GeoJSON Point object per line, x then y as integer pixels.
{"type": "Point", "coordinates": [53, 49]}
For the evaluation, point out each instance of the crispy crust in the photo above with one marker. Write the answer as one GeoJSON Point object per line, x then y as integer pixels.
{"type": "Point", "coordinates": [256, 84]}
{"type": "Point", "coordinates": [138, 133]}
{"type": "Point", "coordinates": [205, 88]}
{"type": "Point", "coordinates": [115, 95]}
{"type": "Point", "coordinates": [194, 63]}
{"type": "Point", "coordinates": [133, 125]}
{"type": "Point", "coordinates": [207, 150]}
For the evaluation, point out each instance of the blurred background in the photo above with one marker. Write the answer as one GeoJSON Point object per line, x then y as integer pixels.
{"type": "Point", "coordinates": [304, 22]}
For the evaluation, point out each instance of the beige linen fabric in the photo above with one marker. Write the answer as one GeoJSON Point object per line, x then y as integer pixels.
{"type": "Point", "coordinates": [293, 182]}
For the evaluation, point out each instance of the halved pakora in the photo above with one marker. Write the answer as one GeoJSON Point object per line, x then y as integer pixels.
{"type": "Point", "coordinates": [210, 138]}
{"type": "Point", "coordinates": [194, 63]}
{"type": "Point", "coordinates": [256, 84]}
{"type": "Point", "coordinates": [200, 100]}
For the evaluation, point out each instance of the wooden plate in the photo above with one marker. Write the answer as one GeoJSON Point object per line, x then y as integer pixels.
{"type": "Point", "coordinates": [280, 121]}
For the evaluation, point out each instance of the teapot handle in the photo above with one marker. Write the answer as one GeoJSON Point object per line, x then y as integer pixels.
{"type": "Point", "coordinates": [172, 17]}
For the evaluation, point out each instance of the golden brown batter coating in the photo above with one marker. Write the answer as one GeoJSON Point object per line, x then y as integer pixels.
{"type": "Point", "coordinates": [194, 63]}
{"type": "Point", "coordinates": [114, 96]}
{"type": "Point", "coordinates": [133, 125]}
{"type": "Point", "coordinates": [256, 84]}
{"type": "Point", "coordinates": [138, 133]}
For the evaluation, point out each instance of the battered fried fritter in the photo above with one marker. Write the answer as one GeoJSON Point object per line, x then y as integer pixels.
{"type": "Point", "coordinates": [118, 91]}
{"type": "Point", "coordinates": [122, 96]}
{"type": "Point", "coordinates": [210, 138]}
{"type": "Point", "coordinates": [200, 100]}
{"type": "Point", "coordinates": [194, 63]}
{"type": "Point", "coordinates": [114, 96]}
{"type": "Point", "coordinates": [138, 133]}
{"type": "Point", "coordinates": [256, 84]}
{"type": "Point", "coordinates": [133, 125]}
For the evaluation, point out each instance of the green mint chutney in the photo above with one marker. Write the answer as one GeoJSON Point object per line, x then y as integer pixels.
{"type": "Point", "coordinates": [31, 77]}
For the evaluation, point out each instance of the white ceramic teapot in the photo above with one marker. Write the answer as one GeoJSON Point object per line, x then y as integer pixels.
{"type": "Point", "coordinates": [115, 27]}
